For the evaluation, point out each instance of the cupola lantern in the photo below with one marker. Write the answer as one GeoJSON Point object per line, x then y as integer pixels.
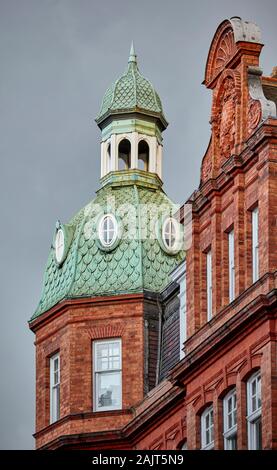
{"type": "Point", "coordinates": [131, 120]}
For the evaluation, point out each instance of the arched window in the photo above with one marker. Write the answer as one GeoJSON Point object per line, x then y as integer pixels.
{"type": "Point", "coordinates": [124, 155]}
{"type": "Point", "coordinates": [230, 420]}
{"type": "Point", "coordinates": [207, 429]}
{"type": "Point", "coordinates": [143, 155]}
{"type": "Point", "coordinates": [254, 412]}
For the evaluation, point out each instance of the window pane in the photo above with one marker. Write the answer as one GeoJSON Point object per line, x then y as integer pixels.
{"type": "Point", "coordinates": [229, 421]}
{"type": "Point", "coordinates": [209, 285]}
{"type": "Point", "coordinates": [114, 349]}
{"type": "Point", "coordinates": [258, 434]}
{"type": "Point", "coordinates": [108, 356]}
{"type": "Point", "coordinates": [255, 244]}
{"type": "Point", "coordinates": [102, 354]}
{"type": "Point", "coordinates": [54, 388]}
{"type": "Point", "coordinates": [253, 395]}
{"type": "Point", "coordinates": [254, 387]}
{"type": "Point", "coordinates": [231, 266]}
{"type": "Point", "coordinates": [230, 411]}
{"type": "Point", "coordinates": [170, 232]}
{"type": "Point", "coordinates": [232, 442]}
{"type": "Point", "coordinates": [212, 426]}
{"type": "Point", "coordinates": [55, 403]}
{"type": "Point", "coordinates": [109, 389]}
{"type": "Point", "coordinates": [259, 397]}
{"type": "Point", "coordinates": [229, 405]}
{"type": "Point", "coordinates": [107, 229]}
{"type": "Point", "coordinates": [56, 378]}
{"type": "Point", "coordinates": [207, 429]}
{"type": "Point", "coordinates": [235, 416]}
{"type": "Point", "coordinates": [58, 401]}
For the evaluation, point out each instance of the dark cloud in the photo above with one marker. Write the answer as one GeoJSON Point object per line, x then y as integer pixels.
{"type": "Point", "coordinates": [57, 58]}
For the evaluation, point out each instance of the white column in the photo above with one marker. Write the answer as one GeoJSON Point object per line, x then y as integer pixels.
{"type": "Point", "coordinates": [114, 153]}
{"type": "Point", "coordinates": [159, 160]}
{"type": "Point", "coordinates": [103, 169]}
{"type": "Point", "coordinates": [152, 154]}
{"type": "Point", "coordinates": [134, 149]}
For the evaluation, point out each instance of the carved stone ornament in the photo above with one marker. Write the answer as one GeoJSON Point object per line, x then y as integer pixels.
{"type": "Point", "coordinates": [225, 51]}
{"type": "Point", "coordinates": [254, 114]}
{"type": "Point", "coordinates": [225, 120]}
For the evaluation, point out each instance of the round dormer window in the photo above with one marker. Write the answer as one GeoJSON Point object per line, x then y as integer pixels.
{"type": "Point", "coordinates": [171, 234]}
{"type": "Point", "coordinates": [59, 245]}
{"type": "Point", "coordinates": [108, 230]}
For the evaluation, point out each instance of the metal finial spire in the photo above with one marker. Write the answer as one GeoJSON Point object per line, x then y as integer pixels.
{"type": "Point", "coordinates": [132, 56]}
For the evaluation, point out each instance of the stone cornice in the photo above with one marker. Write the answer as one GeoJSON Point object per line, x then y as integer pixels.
{"type": "Point", "coordinates": [81, 416]}
{"type": "Point", "coordinates": [60, 308]}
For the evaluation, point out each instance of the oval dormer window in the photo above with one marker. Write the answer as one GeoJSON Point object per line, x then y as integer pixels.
{"type": "Point", "coordinates": [108, 230]}
{"type": "Point", "coordinates": [59, 245]}
{"type": "Point", "coordinates": [171, 234]}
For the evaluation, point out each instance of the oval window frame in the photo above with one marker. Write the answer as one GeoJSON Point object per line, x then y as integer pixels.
{"type": "Point", "coordinates": [60, 259]}
{"type": "Point", "coordinates": [114, 242]}
{"type": "Point", "coordinates": [176, 247]}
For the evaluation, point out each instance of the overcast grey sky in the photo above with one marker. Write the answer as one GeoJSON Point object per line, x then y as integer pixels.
{"type": "Point", "coordinates": [57, 58]}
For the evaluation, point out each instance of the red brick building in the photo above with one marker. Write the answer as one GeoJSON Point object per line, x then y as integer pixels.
{"type": "Point", "coordinates": [187, 359]}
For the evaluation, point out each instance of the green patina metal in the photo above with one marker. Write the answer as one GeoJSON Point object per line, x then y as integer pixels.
{"type": "Point", "coordinates": [137, 262]}
{"type": "Point", "coordinates": [122, 126]}
{"type": "Point", "coordinates": [127, 177]}
{"type": "Point", "coordinates": [132, 93]}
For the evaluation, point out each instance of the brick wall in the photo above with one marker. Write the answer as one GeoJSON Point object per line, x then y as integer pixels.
{"type": "Point", "coordinates": [71, 331]}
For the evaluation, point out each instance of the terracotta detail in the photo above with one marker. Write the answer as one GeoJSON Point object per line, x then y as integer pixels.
{"type": "Point", "coordinates": [223, 48]}
{"type": "Point", "coordinates": [225, 51]}
{"type": "Point", "coordinates": [224, 123]}
{"type": "Point", "coordinates": [254, 114]}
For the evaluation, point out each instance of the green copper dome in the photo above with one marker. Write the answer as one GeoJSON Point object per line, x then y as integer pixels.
{"type": "Point", "coordinates": [137, 261]}
{"type": "Point", "coordinates": [131, 93]}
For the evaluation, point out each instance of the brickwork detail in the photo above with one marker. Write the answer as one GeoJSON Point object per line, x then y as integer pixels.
{"type": "Point", "coordinates": [254, 114]}
{"type": "Point", "coordinates": [222, 49]}
{"type": "Point", "coordinates": [106, 331]}
{"type": "Point", "coordinates": [225, 50]}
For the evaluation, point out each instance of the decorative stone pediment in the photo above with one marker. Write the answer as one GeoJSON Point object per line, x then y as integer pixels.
{"type": "Point", "coordinates": [224, 45]}
{"type": "Point", "coordinates": [224, 51]}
